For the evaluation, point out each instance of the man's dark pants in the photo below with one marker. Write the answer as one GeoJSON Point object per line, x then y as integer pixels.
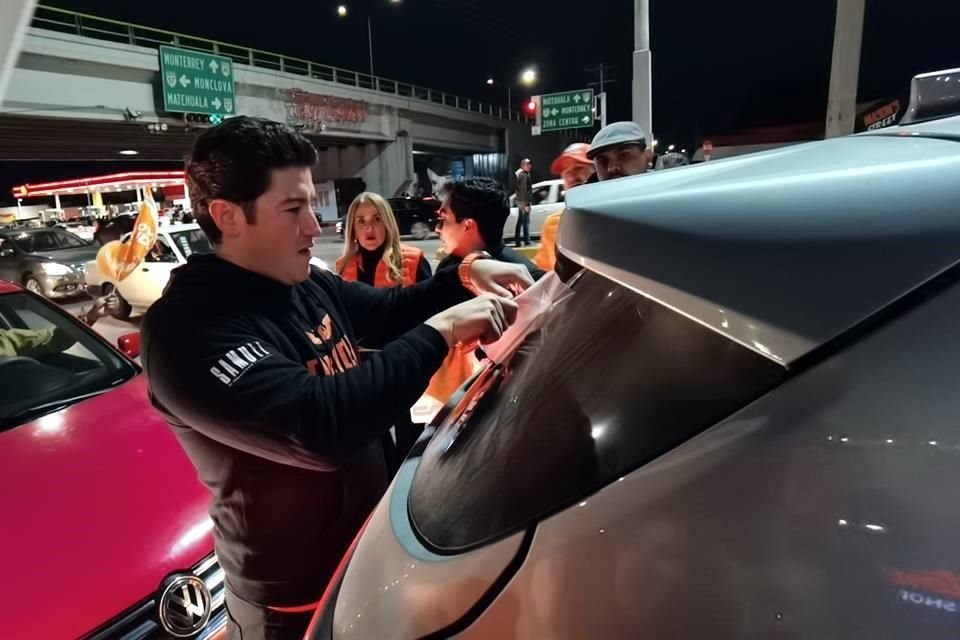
{"type": "Point", "coordinates": [251, 622]}
{"type": "Point", "coordinates": [523, 225]}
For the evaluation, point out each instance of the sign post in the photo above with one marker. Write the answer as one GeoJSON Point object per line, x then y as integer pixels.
{"type": "Point", "coordinates": [196, 82]}
{"type": "Point", "coordinates": [566, 110]}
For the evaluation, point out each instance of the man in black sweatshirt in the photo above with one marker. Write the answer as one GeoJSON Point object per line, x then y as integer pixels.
{"type": "Point", "coordinates": [251, 357]}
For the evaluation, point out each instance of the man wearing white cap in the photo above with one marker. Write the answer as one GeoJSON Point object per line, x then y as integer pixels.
{"type": "Point", "coordinates": [619, 150]}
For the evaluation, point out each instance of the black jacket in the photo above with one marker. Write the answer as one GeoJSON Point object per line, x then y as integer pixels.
{"type": "Point", "coordinates": [524, 187]}
{"type": "Point", "coordinates": [503, 253]}
{"type": "Point", "coordinates": [262, 385]}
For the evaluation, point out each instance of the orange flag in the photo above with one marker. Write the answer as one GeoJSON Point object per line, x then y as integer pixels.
{"type": "Point", "coordinates": [116, 259]}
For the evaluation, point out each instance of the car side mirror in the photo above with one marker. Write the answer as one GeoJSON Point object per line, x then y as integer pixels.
{"type": "Point", "coordinates": [6, 252]}
{"type": "Point", "coordinates": [129, 344]}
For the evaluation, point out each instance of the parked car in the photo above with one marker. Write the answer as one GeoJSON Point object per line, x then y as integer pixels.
{"type": "Point", "coordinates": [80, 228]}
{"type": "Point", "coordinates": [740, 423]}
{"type": "Point", "coordinates": [175, 243]}
{"type": "Point", "coordinates": [416, 217]}
{"type": "Point", "coordinates": [47, 261]}
{"type": "Point", "coordinates": [547, 198]}
{"type": "Point", "coordinates": [104, 517]}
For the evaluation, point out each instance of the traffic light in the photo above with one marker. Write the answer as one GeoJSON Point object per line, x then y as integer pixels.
{"type": "Point", "coordinates": [203, 118]}
{"type": "Point", "coordinates": [530, 108]}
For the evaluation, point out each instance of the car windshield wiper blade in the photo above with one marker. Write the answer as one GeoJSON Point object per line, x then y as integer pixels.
{"type": "Point", "coordinates": [53, 404]}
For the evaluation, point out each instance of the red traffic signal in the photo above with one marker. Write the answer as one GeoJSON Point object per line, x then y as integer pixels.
{"type": "Point", "coordinates": [531, 107]}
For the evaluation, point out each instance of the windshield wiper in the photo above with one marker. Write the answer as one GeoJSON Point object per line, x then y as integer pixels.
{"type": "Point", "coordinates": [47, 407]}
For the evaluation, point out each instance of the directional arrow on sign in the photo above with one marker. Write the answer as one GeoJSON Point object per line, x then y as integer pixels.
{"type": "Point", "coordinates": [214, 66]}
{"type": "Point", "coordinates": [184, 81]}
{"type": "Point", "coordinates": [216, 103]}
{"type": "Point", "coordinates": [554, 112]}
{"type": "Point", "coordinates": [576, 98]}
{"type": "Point", "coordinates": [585, 120]}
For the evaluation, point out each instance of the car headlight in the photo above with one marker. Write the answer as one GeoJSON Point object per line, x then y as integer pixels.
{"type": "Point", "coordinates": [55, 269]}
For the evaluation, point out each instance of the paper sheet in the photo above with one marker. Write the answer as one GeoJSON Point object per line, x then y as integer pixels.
{"type": "Point", "coordinates": [535, 305]}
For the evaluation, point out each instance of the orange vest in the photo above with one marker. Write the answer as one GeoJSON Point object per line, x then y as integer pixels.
{"type": "Point", "coordinates": [460, 361]}
{"type": "Point", "coordinates": [410, 260]}
{"type": "Point", "coordinates": [546, 257]}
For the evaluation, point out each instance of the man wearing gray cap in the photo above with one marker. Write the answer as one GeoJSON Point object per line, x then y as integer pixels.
{"type": "Point", "coordinates": [619, 150]}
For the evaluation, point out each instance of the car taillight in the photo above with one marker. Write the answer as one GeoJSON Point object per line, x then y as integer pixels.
{"type": "Point", "coordinates": [323, 618]}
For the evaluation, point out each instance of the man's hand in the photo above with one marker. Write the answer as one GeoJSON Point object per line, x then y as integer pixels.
{"type": "Point", "coordinates": [102, 307]}
{"type": "Point", "coordinates": [499, 278]}
{"type": "Point", "coordinates": [484, 318]}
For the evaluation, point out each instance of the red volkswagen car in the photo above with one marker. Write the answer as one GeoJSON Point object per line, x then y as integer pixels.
{"type": "Point", "coordinates": [105, 527]}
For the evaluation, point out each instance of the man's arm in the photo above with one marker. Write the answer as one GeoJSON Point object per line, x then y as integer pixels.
{"type": "Point", "coordinates": [227, 382]}
{"type": "Point", "coordinates": [34, 343]}
{"type": "Point", "coordinates": [380, 315]}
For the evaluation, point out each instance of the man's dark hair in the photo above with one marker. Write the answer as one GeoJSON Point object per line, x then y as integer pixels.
{"type": "Point", "coordinates": [484, 201]}
{"type": "Point", "coordinates": [234, 160]}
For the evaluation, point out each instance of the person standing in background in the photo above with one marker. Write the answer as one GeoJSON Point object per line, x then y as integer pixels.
{"type": "Point", "coordinates": [372, 250]}
{"type": "Point", "coordinates": [575, 169]}
{"type": "Point", "coordinates": [524, 201]}
{"type": "Point", "coordinates": [619, 150]}
{"type": "Point", "coordinates": [373, 254]}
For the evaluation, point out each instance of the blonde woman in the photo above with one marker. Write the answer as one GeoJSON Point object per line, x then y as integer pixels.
{"type": "Point", "coordinates": [372, 252]}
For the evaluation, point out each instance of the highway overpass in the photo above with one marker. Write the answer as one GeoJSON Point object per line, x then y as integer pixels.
{"type": "Point", "coordinates": [86, 88]}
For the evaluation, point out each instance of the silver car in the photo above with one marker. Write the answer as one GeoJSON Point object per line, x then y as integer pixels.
{"type": "Point", "coordinates": [743, 423]}
{"type": "Point", "coordinates": [48, 261]}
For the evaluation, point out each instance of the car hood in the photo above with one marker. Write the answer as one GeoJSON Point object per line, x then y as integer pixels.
{"type": "Point", "coordinates": [68, 256]}
{"type": "Point", "coordinates": [100, 504]}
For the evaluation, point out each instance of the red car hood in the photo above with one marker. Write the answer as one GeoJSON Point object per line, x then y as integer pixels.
{"type": "Point", "coordinates": [99, 505]}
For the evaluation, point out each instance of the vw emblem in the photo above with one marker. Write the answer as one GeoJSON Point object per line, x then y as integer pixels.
{"type": "Point", "coordinates": [184, 605]}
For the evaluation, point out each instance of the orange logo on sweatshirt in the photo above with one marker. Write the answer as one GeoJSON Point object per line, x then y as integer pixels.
{"type": "Point", "coordinates": [340, 357]}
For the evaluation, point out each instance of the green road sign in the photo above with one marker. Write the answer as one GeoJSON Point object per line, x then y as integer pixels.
{"type": "Point", "coordinates": [196, 82]}
{"type": "Point", "coordinates": [567, 110]}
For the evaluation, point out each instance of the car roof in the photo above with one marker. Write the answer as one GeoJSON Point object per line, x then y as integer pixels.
{"type": "Point", "coordinates": [780, 250]}
{"type": "Point", "coordinates": [544, 183]}
{"type": "Point", "coordinates": [174, 228]}
{"type": "Point", "coordinates": [21, 230]}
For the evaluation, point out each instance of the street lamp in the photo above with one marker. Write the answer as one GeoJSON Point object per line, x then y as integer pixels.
{"type": "Point", "coordinates": [528, 77]}
{"type": "Point", "coordinates": [671, 147]}
{"type": "Point", "coordinates": [342, 12]}
{"type": "Point", "coordinates": [490, 81]}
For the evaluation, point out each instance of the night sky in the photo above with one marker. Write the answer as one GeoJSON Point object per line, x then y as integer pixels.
{"type": "Point", "coordinates": [718, 66]}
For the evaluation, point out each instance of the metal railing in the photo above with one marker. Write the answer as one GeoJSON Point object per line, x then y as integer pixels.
{"type": "Point", "coordinates": [65, 21]}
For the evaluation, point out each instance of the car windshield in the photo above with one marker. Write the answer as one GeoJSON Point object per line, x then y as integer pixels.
{"type": "Point", "coordinates": [612, 381]}
{"type": "Point", "coordinates": [47, 360]}
{"type": "Point", "coordinates": [47, 240]}
{"type": "Point", "coordinates": [192, 241]}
